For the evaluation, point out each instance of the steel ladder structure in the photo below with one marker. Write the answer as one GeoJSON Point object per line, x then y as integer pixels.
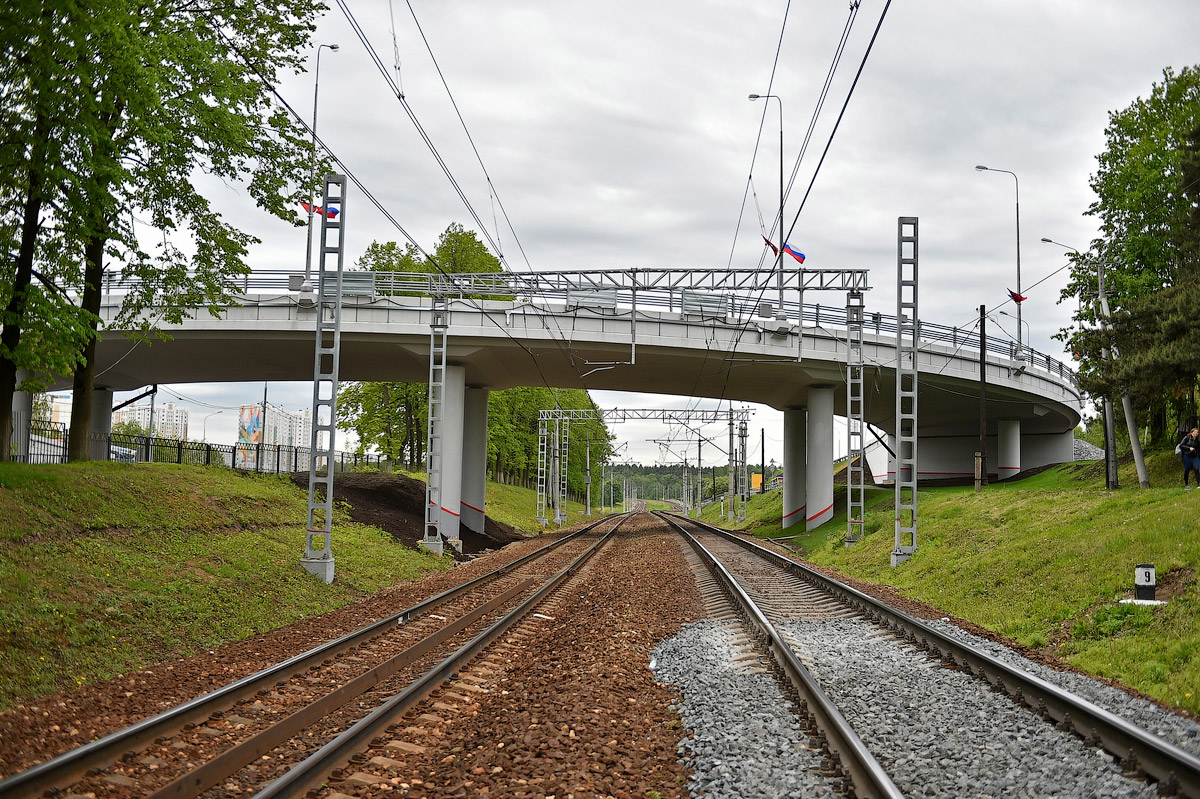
{"type": "Point", "coordinates": [907, 329]}
{"type": "Point", "coordinates": [439, 322]}
{"type": "Point", "coordinates": [318, 542]}
{"type": "Point", "coordinates": [855, 449]}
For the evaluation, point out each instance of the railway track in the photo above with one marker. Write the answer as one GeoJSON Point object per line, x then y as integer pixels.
{"type": "Point", "coordinates": [531, 680]}
{"type": "Point", "coordinates": [260, 727]}
{"type": "Point", "coordinates": [808, 623]}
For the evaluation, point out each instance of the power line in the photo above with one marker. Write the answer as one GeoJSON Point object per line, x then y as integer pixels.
{"type": "Point", "coordinates": [478, 157]}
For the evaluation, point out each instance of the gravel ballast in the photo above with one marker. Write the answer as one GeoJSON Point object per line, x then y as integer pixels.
{"type": "Point", "coordinates": [937, 731]}
{"type": "Point", "coordinates": [942, 733]}
{"type": "Point", "coordinates": [746, 741]}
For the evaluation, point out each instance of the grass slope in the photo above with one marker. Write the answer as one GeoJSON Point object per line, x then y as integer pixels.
{"type": "Point", "coordinates": [106, 568]}
{"type": "Point", "coordinates": [1045, 561]}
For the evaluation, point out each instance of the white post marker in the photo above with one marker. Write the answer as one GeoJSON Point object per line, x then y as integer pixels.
{"type": "Point", "coordinates": [1144, 581]}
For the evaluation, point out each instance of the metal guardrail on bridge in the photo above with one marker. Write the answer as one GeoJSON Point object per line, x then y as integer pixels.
{"type": "Point", "coordinates": [731, 295]}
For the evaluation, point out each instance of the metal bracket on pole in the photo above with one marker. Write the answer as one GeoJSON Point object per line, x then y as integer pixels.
{"type": "Point", "coordinates": [907, 329]}
{"type": "Point", "coordinates": [855, 451]}
{"type": "Point", "coordinates": [318, 542]}
{"type": "Point", "coordinates": [433, 448]}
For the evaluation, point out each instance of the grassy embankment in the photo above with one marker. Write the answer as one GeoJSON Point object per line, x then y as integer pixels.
{"type": "Point", "coordinates": [106, 568]}
{"type": "Point", "coordinates": [1044, 561]}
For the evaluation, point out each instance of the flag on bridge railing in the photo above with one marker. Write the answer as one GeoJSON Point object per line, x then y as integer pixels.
{"type": "Point", "coordinates": [1015, 297]}
{"type": "Point", "coordinates": [330, 212]}
{"type": "Point", "coordinates": [774, 249]}
{"type": "Point", "coordinates": [792, 251]}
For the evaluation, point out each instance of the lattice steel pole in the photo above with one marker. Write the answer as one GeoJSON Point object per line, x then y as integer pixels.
{"type": "Point", "coordinates": [318, 542]}
{"type": "Point", "coordinates": [434, 454]}
{"type": "Point", "coordinates": [907, 329]}
{"type": "Point", "coordinates": [855, 450]}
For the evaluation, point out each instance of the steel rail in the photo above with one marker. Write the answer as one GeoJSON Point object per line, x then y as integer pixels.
{"type": "Point", "coordinates": [200, 779]}
{"type": "Point", "coordinates": [313, 771]}
{"type": "Point", "coordinates": [70, 766]}
{"type": "Point", "coordinates": [869, 779]}
{"type": "Point", "coordinates": [1176, 771]}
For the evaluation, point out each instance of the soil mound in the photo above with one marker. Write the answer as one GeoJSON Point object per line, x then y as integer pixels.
{"type": "Point", "coordinates": [396, 503]}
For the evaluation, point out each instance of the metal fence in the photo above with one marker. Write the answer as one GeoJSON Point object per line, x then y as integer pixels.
{"type": "Point", "coordinates": [47, 443]}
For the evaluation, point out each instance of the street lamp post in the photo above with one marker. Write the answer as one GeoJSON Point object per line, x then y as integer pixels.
{"type": "Point", "coordinates": [1028, 335]}
{"type": "Point", "coordinates": [204, 426]}
{"type": "Point", "coordinates": [1017, 184]}
{"type": "Point", "coordinates": [306, 287]}
{"type": "Point", "coordinates": [1135, 443]}
{"type": "Point", "coordinates": [779, 314]}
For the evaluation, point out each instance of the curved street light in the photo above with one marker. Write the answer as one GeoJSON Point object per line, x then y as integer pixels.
{"type": "Point", "coordinates": [1017, 183]}
{"type": "Point", "coordinates": [306, 286]}
{"type": "Point", "coordinates": [779, 314]}
{"type": "Point", "coordinates": [204, 426]}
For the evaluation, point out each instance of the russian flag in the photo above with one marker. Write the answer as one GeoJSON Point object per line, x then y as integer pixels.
{"type": "Point", "coordinates": [792, 251]}
{"type": "Point", "coordinates": [1015, 297]}
{"type": "Point", "coordinates": [316, 209]}
{"type": "Point", "coordinates": [774, 249]}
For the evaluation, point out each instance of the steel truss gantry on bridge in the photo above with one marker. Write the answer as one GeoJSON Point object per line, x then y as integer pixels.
{"type": "Point", "coordinates": [554, 432]}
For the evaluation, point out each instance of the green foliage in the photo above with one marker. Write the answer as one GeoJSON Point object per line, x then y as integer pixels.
{"type": "Point", "coordinates": [109, 110]}
{"type": "Point", "coordinates": [1147, 185]}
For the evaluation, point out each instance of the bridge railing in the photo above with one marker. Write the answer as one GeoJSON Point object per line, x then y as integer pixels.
{"type": "Point", "coordinates": [733, 296]}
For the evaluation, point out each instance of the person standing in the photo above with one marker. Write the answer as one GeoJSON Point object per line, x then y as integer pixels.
{"type": "Point", "coordinates": [1189, 451]}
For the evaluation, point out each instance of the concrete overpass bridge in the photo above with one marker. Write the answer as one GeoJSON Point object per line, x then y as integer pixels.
{"type": "Point", "coordinates": [740, 336]}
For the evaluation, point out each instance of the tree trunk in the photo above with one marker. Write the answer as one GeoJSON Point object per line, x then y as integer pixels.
{"type": "Point", "coordinates": [14, 313]}
{"type": "Point", "coordinates": [82, 388]}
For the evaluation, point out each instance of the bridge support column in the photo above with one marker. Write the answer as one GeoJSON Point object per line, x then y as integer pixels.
{"type": "Point", "coordinates": [474, 459]}
{"type": "Point", "coordinates": [1008, 448]}
{"type": "Point", "coordinates": [819, 470]}
{"type": "Point", "coordinates": [101, 424]}
{"type": "Point", "coordinates": [22, 420]}
{"type": "Point", "coordinates": [794, 440]}
{"type": "Point", "coordinates": [452, 454]}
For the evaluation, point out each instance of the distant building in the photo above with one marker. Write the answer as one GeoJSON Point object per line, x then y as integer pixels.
{"type": "Point", "coordinates": [170, 420]}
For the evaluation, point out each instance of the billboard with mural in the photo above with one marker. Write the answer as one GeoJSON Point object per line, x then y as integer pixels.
{"type": "Point", "coordinates": [249, 436]}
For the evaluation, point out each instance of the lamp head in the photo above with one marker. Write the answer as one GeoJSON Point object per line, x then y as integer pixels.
{"type": "Point", "coordinates": [333, 47]}
{"type": "Point", "coordinates": [1048, 241]}
{"type": "Point", "coordinates": [980, 168]}
{"type": "Point", "coordinates": [754, 97]}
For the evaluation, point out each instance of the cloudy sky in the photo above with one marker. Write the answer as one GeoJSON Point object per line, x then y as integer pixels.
{"type": "Point", "coordinates": [620, 134]}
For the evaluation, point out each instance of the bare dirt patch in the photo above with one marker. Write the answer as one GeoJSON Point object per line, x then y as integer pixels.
{"type": "Point", "coordinates": [395, 503]}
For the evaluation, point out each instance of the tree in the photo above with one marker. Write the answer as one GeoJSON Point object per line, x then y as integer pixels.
{"type": "Point", "coordinates": [391, 417]}
{"type": "Point", "coordinates": [1140, 197]}
{"type": "Point", "coordinates": [1147, 185]}
{"type": "Point", "coordinates": [157, 92]}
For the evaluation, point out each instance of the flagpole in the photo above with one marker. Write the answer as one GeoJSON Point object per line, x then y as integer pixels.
{"type": "Point", "coordinates": [306, 286]}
